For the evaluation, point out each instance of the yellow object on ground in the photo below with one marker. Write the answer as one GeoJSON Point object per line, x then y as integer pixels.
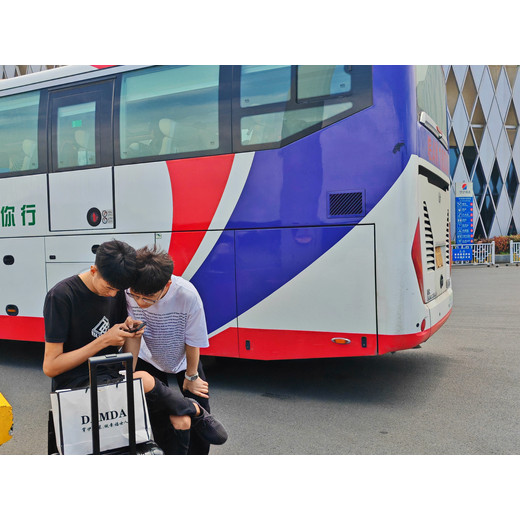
{"type": "Point", "coordinates": [6, 420]}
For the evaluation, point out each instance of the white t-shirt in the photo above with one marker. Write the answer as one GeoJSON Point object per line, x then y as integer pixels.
{"type": "Point", "coordinates": [175, 320]}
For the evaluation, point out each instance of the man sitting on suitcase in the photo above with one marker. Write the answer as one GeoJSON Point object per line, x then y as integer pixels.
{"type": "Point", "coordinates": [85, 315]}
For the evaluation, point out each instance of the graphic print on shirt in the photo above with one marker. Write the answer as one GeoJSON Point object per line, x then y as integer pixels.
{"type": "Point", "coordinates": [101, 327]}
{"type": "Point", "coordinates": [164, 335]}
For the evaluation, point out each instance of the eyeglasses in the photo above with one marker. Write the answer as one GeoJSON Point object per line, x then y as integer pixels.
{"type": "Point", "coordinates": [145, 300]}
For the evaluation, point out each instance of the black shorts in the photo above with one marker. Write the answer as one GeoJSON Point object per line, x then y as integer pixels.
{"type": "Point", "coordinates": [104, 377]}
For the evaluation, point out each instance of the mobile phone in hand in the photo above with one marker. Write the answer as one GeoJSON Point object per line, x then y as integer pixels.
{"type": "Point", "coordinates": [135, 329]}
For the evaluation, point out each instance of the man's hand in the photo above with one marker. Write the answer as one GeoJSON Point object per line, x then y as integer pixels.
{"type": "Point", "coordinates": [116, 335]}
{"type": "Point", "coordinates": [130, 324]}
{"type": "Point", "coordinates": [198, 387]}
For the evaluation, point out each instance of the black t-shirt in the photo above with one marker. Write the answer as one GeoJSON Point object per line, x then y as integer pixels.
{"type": "Point", "coordinates": [75, 316]}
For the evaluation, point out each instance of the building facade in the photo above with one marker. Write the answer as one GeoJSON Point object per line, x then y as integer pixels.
{"type": "Point", "coordinates": [483, 104]}
{"type": "Point", "coordinates": [12, 71]}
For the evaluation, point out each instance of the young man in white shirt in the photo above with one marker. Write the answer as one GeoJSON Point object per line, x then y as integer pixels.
{"type": "Point", "coordinates": [174, 334]}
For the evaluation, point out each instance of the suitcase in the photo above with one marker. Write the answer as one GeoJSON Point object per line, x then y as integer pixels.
{"type": "Point", "coordinates": [145, 448]}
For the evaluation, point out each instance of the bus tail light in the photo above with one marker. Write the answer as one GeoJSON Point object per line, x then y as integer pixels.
{"type": "Point", "coordinates": [417, 258]}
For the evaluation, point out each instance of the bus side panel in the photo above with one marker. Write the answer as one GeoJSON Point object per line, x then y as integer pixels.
{"type": "Point", "coordinates": [23, 206]}
{"type": "Point", "coordinates": [75, 196]}
{"type": "Point", "coordinates": [331, 296]}
{"type": "Point", "coordinates": [24, 219]}
{"type": "Point", "coordinates": [23, 288]}
{"type": "Point", "coordinates": [215, 282]}
{"type": "Point", "coordinates": [22, 328]}
{"type": "Point", "coordinates": [367, 151]}
{"type": "Point", "coordinates": [143, 198]}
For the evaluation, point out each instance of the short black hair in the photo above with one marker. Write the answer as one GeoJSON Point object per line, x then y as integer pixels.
{"type": "Point", "coordinates": [154, 270]}
{"type": "Point", "coordinates": [116, 263]}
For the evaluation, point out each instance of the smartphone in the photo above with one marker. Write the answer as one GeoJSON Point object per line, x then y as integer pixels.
{"type": "Point", "coordinates": [139, 327]}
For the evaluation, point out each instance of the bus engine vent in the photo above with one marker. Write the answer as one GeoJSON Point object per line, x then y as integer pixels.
{"type": "Point", "coordinates": [346, 204]}
{"type": "Point", "coordinates": [428, 238]}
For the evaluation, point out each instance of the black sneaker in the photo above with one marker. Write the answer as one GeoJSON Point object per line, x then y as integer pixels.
{"type": "Point", "coordinates": [148, 448]}
{"type": "Point", "coordinates": [208, 427]}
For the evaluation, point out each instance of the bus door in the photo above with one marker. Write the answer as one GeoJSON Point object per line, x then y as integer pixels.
{"type": "Point", "coordinates": [80, 182]}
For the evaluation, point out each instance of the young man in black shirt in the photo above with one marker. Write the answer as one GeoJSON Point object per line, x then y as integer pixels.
{"type": "Point", "coordinates": [85, 315]}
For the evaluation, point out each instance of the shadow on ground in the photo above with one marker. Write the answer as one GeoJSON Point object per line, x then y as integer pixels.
{"type": "Point", "coordinates": [371, 380]}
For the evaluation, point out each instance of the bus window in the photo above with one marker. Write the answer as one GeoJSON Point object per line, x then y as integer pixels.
{"type": "Point", "coordinates": [169, 110]}
{"type": "Point", "coordinates": [280, 104]}
{"type": "Point", "coordinates": [76, 137]}
{"type": "Point", "coordinates": [264, 84]}
{"type": "Point", "coordinates": [319, 81]}
{"type": "Point", "coordinates": [276, 126]}
{"type": "Point", "coordinates": [19, 132]}
{"type": "Point", "coordinates": [431, 94]}
{"type": "Point", "coordinates": [81, 126]}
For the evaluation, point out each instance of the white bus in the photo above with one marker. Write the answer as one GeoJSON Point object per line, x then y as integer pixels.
{"type": "Point", "coordinates": [309, 205]}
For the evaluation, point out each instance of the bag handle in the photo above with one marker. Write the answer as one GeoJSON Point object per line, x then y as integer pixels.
{"type": "Point", "coordinates": [112, 359]}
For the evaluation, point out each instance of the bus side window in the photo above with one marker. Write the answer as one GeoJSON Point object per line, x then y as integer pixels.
{"type": "Point", "coordinates": [431, 94]}
{"type": "Point", "coordinates": [19, 132]}
{"type": "Point", "coordinates": [323, 81]}
{"type": "Point", "coordinates": [272, 113]}
{"type": "Point", "coordinates": [169, 110]}
{"type": "Point", "coordinates": [76, 136]}
{"type": "Point", "coordinates": [275, 126]}
{"type": "Point", "coordinates": [264, 85]}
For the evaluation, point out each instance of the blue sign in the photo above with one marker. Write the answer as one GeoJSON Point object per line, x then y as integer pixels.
{"type": "Point", "coordinates": [462, 253]}
{"type": "Point", "coordinates": [463, 215]}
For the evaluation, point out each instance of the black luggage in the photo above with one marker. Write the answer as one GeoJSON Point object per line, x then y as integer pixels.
{"type": "Point", "coordinates": [145, 448]}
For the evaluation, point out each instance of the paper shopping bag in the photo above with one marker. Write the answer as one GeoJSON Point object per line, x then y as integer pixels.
{"type": "Point", "coordinates": [73, 422]}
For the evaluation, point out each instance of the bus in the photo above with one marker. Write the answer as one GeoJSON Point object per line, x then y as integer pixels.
{"type": "Point", "coordinates": [309, 205]}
